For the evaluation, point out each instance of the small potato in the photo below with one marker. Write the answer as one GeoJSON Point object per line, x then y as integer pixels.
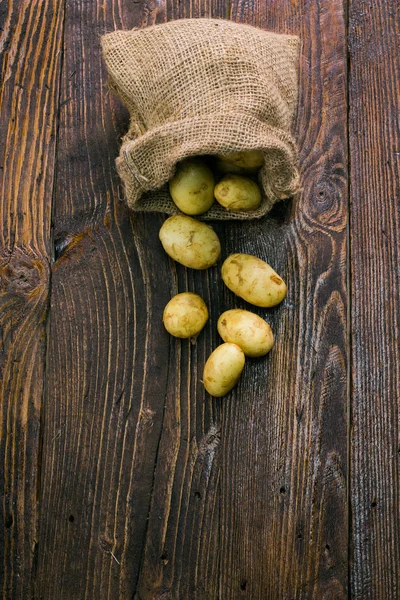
{"type": "Point", "coordinates": [190, 242]}
{"type": "Point", "coordinates": [250, 159]}
{"type": "Point", "coordinates": [185, 315]}
{"type": "Point", "coordinates": [249, 331]}
{"type": "Point", "coordinates": [223, 369]}
{"type": "Point", "coordinates": [192, 187]}
{"type": "Point", "coordinates": [253, 280]}
{"type": "Point", "coordinates": [225, 167]}
{"type": "Point", "coordinates": [235, 192]}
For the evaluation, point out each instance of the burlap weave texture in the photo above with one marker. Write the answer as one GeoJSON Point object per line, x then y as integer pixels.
{"type": "Point", "coordinates": [203, 86]}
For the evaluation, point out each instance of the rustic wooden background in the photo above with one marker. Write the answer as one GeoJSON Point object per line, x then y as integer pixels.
{"type": "Point", "coordinates": [119, 477]}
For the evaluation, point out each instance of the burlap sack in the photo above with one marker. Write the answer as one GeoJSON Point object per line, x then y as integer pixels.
{"type": "Point", "coordinates": [203, 86]}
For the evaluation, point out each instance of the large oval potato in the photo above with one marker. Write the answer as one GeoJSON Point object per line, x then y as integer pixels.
{"type": "Point", "coordinates": [189, 242]}
{"type": "Point", "coordinates": [223, 369]}
{"type": "Point", "coordinates": [253, 279]}
{"type": "Point", "coordinates": [192, 187]}
{"type": "Point", "coordinates": [246, 159]}
{"type": "Point", "coordinates": [185, 315]}
{"type": "Point", "coordinates": [235, 192]}
{"type": "Point", "coordinates": [246, 329]}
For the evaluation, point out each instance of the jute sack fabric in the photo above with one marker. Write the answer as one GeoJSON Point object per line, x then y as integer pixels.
{"type": "Point", "coordinates": [203, 86]}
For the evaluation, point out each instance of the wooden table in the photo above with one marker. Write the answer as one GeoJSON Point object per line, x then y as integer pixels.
{"type": "Point", "coordinates": [120, 477]}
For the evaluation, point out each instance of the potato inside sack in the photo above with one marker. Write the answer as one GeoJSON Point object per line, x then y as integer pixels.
{"type": "Point", "coordinates": [189, 242]}
{"type": "Point", "coordinates": [253, 279]}
{"type": "Point", "coordinates": [185, 315]}
{"type": "Point", "coordinates": [235, 192]}
{"type": "Point", "coordinates": [246, 329]}
{"type": "Point", "coordinates": [223, 369]}
{"type": "Point", "coordinates": [192, 187]}
{"type": "Point", "coordinates": [225, 168]}
{"type": "Point", "coordinates": [248, 159]}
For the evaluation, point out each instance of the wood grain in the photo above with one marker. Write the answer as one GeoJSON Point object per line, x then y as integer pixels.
{"type": "Point", "coordinates": [108, 368]}
{"type": "Point", "coordinates": [282, 455]}
{"type": "Point", "coordinates": [30, 67]}
{"type": "Point", "coordinates": [374, 87]}
{"type": "Point", "coordinates": [146, 487]}
{"type": "Point", "coordinates": [151, 489]}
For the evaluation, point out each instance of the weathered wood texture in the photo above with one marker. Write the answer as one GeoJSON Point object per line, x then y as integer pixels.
{"type": "Point", "coordinates": [127, 480]}
{"type": "Point", "coordinates": [374, 127]}
{"type": "Point", "coordinates": [108, 363]}
{"type": "Point", "coordinates": [282, 461]}
{"type": "Point", "coordinates": [284, 458]}
{"type": "Point", "coordinates": [150, 487]}
{"type": "Point", "coordinates": [30, 67]}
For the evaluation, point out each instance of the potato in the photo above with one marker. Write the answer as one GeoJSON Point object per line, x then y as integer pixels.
{"type": "Point", "coordinates": [223, 369]}
{"type": "Point", "coordinates": [253, 280]}
{"type": "Point", "coordinates": [235, 192]}
{"type": "Point", "coordinates": [249, 331]}
{"type": "Point", "coordinates": [192, 187]}
{"type": "Point", "coordinates": [225, 167]}
{"type": "Point", "coordinates": [190, 242]}
{"type": "Point", "coordinates": [247, 159]}
{"type": "Point", "coordinates": [185, 315]}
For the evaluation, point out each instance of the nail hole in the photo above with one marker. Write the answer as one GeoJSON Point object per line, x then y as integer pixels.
{"type": "Point", "coordinates": [9, 521]}
{"type": "Point", "coordinates": [373, 503]}
{"type": "Point", "coordinates": [243, 584]}
{"type": "Point", "coordinates": [71, 518]}
{"type": "Point", "coordinates": [164, 556]}
{"type": "Point", "coordinates": [299, 537]}
{"type": "Point", "coordinates": [197, 495]}
{"type": "Point", "coordinates": [282, 490]}
{"type": "Point", "coordinates": [327, 547]}
{"type": "Point", "coordinates": [321, 193]}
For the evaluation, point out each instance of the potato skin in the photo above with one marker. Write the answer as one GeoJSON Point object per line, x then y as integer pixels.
{"type": "Point", "coordinates": [189, 242]}
{"type": "Point", "coordinates": [246, 329]}
{"type": "Point", "coordinates": [253, 279]}
{"type": "Point", "coordinates": [185, 315]}
{"type": "Point", "coordinates": [246, 159]}
{"type": "Point", "coordinates": [223, 369]}
{"type": "Point", "coordinates": [192, 186]}
{"type": "Point", "coordinates": [235, 192]}
{"type": "Point", "coordinates": [226, 168]}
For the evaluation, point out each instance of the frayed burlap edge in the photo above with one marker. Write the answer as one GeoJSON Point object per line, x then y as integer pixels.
{"type": "Point", "coordinates": [159, 200]}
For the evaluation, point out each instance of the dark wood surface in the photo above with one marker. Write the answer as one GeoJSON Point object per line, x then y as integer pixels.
{"type": "Point", "coordinates": [30, 46]}
{"type": "Point", "coordinates": [120, 477]}
{"type": "Point", "coordinates": [374, 127]}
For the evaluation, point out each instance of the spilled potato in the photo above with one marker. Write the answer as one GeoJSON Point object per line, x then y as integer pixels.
{"type": "Point", "coordinates": [189, 242]}
{"type": "Point", "coordinates": [246, 329]}
{"type": "Point", "coordinates": [253, 279]}
{"type": "Point", "coordinates": [192, 187]}
{"type": "Point", "coordinates": [223, 369]}
{"type": "Point", "coordinates": [185, 315]}
{"type": "Point", "coordinates": [235, 192]}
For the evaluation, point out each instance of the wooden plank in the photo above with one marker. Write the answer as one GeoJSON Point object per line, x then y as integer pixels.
{"type": "Point", "coordinates": [150, 488]}
{"type": "Point", "coordinates": [30, 65]}
{"type": "Point", "coordinates": [108, 368]}
{"type": "Point", "coordinates": [374, 31]}
{"type": "Point", "coordinates": [281, 462]}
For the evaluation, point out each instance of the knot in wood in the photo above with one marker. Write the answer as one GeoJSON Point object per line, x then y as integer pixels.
{"type": "Point", "coordinates": [327, 208]}
{"type": "Point", "coordinates": [22, 274]}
